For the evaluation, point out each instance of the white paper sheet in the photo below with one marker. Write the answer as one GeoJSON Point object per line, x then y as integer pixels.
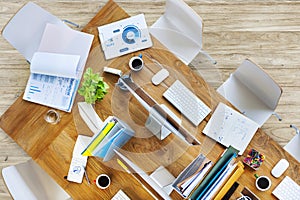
{"type": "Point", "coordinates": [78, 162]}
{"type": "Point", "coordinates": [229, 127]}
{"type": "Point", "coordinates": [53, 91]}
{"type": "Point", "coordinates": [54, 64]}
{"type": "Point", "coordinates": [57, 39]}
{"type": "Point", "coordinates": [124, 36]}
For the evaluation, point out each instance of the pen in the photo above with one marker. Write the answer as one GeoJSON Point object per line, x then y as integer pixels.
{"type": "Point", "coordinates": [86, 176]}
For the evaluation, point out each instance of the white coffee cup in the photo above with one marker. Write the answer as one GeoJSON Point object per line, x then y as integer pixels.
{"type": "Point", "coordinates": [103, 181]}
{"type": "Point", "coordinates": [136, 63]}
{"type": "Point", "coordinates": [263, 183]}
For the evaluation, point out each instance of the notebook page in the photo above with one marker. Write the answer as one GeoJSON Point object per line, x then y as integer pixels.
{"type": "Point", "coordinates": [229, 127]}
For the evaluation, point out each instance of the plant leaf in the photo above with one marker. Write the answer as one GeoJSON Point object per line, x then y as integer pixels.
{"type": "Point", "coordinates": [93, 87]}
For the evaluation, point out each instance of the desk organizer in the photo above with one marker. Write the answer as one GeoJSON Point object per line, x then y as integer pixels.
{"type": "Point", "coordinates": [113, 135]}
{"type": "Point", "coordinates": [254, 159]}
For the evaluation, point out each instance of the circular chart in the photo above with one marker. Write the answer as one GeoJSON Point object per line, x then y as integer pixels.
{"type": "Point", "coordinates": [130, 34]}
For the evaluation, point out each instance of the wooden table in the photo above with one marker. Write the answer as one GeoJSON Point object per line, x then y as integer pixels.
{"type": "Point", "coordinates": [51, 146]}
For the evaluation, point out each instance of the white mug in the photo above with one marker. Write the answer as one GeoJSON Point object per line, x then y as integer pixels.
{"type": "Point", "coordinates": [136, 63]}
{"type": "Point", "coordinates": [102, 181]}
{"type": "Point", "coordinates": [262, 183]}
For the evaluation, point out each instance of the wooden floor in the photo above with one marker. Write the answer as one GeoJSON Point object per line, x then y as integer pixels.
{"type": "Point", "coordinates": [267, 32]}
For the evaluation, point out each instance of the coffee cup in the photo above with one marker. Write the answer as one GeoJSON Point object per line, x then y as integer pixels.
{"type": "Point", "coordinates": [262, 183]}
{"type": "Point", "coordinates": [136, 63]}
{"type": "Point", "coordinates": [102, 181]}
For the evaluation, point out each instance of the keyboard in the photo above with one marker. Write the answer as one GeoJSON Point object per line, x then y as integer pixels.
{"type": "Point", "coordinates": [287, 189]}
{"type": "Point", "coordinates": [186, 102]}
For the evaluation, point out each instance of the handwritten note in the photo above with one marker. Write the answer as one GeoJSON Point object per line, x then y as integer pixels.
{"type": "Point", "coordinates": [230, 127]}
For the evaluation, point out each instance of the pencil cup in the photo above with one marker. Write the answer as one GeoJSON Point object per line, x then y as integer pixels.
{"type": "Point", "coordinates": [52, 116]}
{"type": "Point", "coordinates": [102, 181]}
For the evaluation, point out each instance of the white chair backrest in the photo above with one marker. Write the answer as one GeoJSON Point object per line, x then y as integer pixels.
{"type": "Point", "coordinates": [24, 31]}
{"type": "Point", "coordinates": [30, 181]}
{"type": "Point", "coordinates": [179, 29]}
{"type": "Point", "coordinates": [259, 82]}
{"type": "Point", "coordinates": [252, 91]}
{"type": "Point", "coordinates": [293, 146]}
{"type": "Point", "coordinates": [185, 19]}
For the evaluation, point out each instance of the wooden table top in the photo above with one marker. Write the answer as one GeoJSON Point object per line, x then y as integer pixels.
{"type": "Point", "coordinates": [51, 146]}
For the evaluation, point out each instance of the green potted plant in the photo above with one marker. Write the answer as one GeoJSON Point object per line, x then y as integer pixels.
{"type": "Point", "coordinates": [93, 87]}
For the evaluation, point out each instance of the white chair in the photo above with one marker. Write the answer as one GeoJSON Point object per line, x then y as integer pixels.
{"type": "Point", "coordinates": [180, 30]}
{"type": "Point", "coordinates": [28, 181]}
{"type": "Point", "coordinates": [293, 147]}
{"type": "Point", "coordinates": [252, 91]}
{"type": "Point", "coordinates": [25, 29]}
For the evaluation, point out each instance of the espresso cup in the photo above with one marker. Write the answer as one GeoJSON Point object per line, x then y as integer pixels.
{"type": "Point", "coordinates": [102, 181]}
{"type": "Point", "coordinates": [136, 63]}
{"type": "Point", "coordinates": [262, 183]}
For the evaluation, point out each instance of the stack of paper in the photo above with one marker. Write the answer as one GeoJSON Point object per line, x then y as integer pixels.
{"type": "Point", "coordinates": [192, 175]}
{"type": "Point", "coordinates": [113, 135]}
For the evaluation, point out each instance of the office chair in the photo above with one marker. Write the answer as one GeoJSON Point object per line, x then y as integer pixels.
{"type": "Point", "coordinates": [27, 180]}
{"type": "Point", "coordinates": [293, 146]}
{"type": "Point", "coordinates": [252, 91]}
{"type": "Point", "coordinates": [179, 29]}
{"type": "Point", "coordinates": [25, 29]}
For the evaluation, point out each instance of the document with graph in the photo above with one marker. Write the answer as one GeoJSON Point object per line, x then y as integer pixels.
{"type": "Point", "coordinates": [230, 127]}
{"type": "Point", "coordinates": [56, 68]}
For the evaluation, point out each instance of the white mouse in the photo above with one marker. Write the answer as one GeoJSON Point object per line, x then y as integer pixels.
{"type": "Point", "coordinates": [280, 168]}
{"type": "Point", "coordinates": [159, 76]}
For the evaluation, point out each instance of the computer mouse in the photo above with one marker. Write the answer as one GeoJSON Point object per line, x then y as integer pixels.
{"type": "Point", "coordinates": [280, 168]}
{"type": "Point", "coordinates": [160, 76]}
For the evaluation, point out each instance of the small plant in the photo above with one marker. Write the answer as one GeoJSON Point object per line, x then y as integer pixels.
{"type": "Point", "coordinates": [93, 87]}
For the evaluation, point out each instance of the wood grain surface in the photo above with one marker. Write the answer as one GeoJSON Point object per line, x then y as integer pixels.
{"type": "Point", "coordinates": [267, 32]}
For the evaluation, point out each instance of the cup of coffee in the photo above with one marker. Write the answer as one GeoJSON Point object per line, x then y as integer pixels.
{"type": "Point", "coordinates": [262, 183]}
{"type": "Point", "coordinates": [102, 181]}
{"type": "Point", "coordinates": [136, 63]}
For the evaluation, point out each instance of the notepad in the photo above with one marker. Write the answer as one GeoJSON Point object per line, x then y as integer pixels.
{"type": "Point", "coordinates": [229, 127]}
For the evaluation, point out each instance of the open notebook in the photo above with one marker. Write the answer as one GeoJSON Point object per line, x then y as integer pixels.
{"type": "Point", "coordinates": [56, 68]}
